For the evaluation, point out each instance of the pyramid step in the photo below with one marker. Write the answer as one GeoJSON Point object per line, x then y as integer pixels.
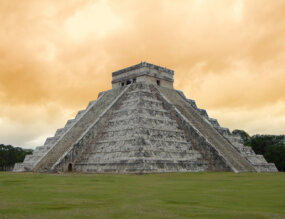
{"type": "Point", "coordinates": [147, 102]}
{"type": "Point", "coordinates": [39, 148]}
{"type": "Point", "coordinates": [141, 110]}
{"type": "Point", "coordinates": [141, 93]}
{"type": "Point", "coordinates": [266, 167]}
{"type": "Point", "coordinates": [148, 122]}
{"type": "Point", "coordinates": [154, 137]}
{"type": "Point", "coordinates": [245, 150]}
{"type": "Point", "coordinates": [90, 104]}
{"type": "Point", "coordinates": [132, 147]}
{"type": "Point", "coordinates": [141, 166]}
{"type": "Point", "coordinates": [173, 148]}
{"type": "Point", "coordinates": [214, 122]}
{"type": "Point", "coordinates": [149, 141]}
{"type": "Point", "coordinates": [60, 131]}
{"type": "Point", "coordinates": [152, 100]}
{"type": "Point", "coordinates": [51, 140]}
{"type": "Point", "coordinates": [143, 129]}
{"type": "Point", "coordinates": [203, 113]}
{"type": "Point", "coordinates": [137, 116]}
{"type": "Point", "coordinates": [158, 135]}
{"type": "Point", "coordinates": [69, 123]}
{"type": "Point", "coordinates": [192, 102]}
{"type": "Point", "coordinates": [117, 140]}
{"type": "Point", "coordinates": [223, 131]}
{"type": "Point", "coordinates": [131, 101]}
{"type": "Point", "coordinates": [150, 104]}
{"type": "Point", "coordinates": [79, 114]}
{"type": "Point", "coordinates": [126, 158]}
{"type": "Point", "coordinates": [134, 154]}
{"type": "Point", "coordinates": [233, 139]}
{"type": "Point", "coordinates": [19, 167]}
{"type": "Point", "coordinates": [256, 159]}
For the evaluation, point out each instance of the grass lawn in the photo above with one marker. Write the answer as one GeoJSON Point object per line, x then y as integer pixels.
{"type": "Point", "coordinates": [173, 195]}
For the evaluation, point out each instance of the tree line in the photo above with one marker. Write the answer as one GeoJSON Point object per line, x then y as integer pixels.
{"type": "Point", "coordinates": [10, 155]}
{"type": "Point", "coordinates": [272, 147]}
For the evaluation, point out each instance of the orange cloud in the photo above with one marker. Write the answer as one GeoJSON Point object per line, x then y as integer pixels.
{"type": "Point", "coordinates": [56, 56]}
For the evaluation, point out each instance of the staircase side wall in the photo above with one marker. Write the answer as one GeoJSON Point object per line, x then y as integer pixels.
{"type": "Point", "coordinates": [139, 137]}
{"type": "Point", "coordinates": [222, 145]}
{"type": "Point", "coordinates": [66, 141]}
{"type": "Point", "coordinates": [198, 141]}
{"type": "Point", "coordinates": [88, 138]}
{"type": "Point", "coordinates": [257, 161]}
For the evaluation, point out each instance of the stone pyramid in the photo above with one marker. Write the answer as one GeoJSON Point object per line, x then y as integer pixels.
{"type": "Point", "coordinates": [143, 125]}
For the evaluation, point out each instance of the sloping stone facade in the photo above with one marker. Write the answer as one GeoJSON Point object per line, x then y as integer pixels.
{"type": "Point", "coordinates": [143, 126]}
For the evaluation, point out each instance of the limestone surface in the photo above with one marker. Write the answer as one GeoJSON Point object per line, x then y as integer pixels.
{"type": "Point", "coordinates": [143, 125]}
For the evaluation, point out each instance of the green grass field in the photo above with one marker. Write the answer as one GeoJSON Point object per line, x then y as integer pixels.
{"type": "Point", "coordinates": [175, 195]}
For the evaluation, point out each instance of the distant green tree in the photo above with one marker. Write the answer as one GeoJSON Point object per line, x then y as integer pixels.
{"type": "Point", "coordinates": [259, 143]}
{"type": "Point", "coordinates": [10, 155]}
{"type": "Point", "coordinates": [276, 154]}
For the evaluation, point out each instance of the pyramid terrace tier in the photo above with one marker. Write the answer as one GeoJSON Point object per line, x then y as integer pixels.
{"type": "Point", "coordinates": [133, 144]}
{"type": "Point", "coordinates": [144, 166]}
{"type": "Point", "coordinates": [146, 156]}
{"type": "Point", "coordinates": [142, 129]}
{"type": "Point", "coordinates": [136, 165]}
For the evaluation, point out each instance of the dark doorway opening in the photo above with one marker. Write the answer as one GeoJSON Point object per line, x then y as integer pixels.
{"type": "Point", "coordinates": [128, 82]}
{"type": "Point", "coordinates": [158, 82]}
{"type": "Point", "coordinates": [123, 84]}
{"type": "Point", "coordinates": [70, 167]}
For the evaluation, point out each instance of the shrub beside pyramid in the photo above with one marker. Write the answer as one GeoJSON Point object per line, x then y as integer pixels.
{"type": "Point", "coordinates": [143, 125]}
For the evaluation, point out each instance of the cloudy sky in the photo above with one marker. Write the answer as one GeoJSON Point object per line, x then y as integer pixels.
{"type": "Point", "coordinates": [55, 56]}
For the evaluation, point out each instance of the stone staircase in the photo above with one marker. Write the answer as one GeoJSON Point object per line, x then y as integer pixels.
{"type": "Point", "coordinates": [44, 157]}
{"type": "Point", "coordinates": [241, 158]}
{"type": "Point", "coordinates": [140, 137]}
{"type": "Point", "coordinates": [31, 160]}
{"type": "Point", "coordinates": [258, 161]}
{"type": "Point", "coordinates": [236, 161]}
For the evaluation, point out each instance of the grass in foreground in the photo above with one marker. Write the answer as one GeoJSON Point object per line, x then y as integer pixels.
{"type": "Point", "coordinates": [173, 195]}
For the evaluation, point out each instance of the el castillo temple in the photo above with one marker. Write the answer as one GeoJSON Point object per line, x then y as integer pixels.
{"type": "Point", "coordinates": [143, 125]}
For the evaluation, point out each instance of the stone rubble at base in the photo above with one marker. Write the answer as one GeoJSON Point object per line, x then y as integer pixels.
{"type": "Point", "coordinates": [143, 125]}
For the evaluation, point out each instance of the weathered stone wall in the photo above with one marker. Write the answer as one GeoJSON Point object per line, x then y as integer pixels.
{"type": "Point", "coordinates": [85, 142]}
{"type": "Point", "coordinates": [257, 161]}
{"type": "Point", "coordinates": [137, 136]}
{"type": "Point", "coordinates": [141, 128]}
{"type": "Point", "coordinates": [198, 141]}
{"type": "Point", "coordinates": [233, 158]}
{"type": "Point", "coordinates": [143, 72]}
{"type": "Point", "coordinates": [152, 80]}
{"type": "Point", "coordinates": [66, 141]}
{"type": "Point", "coordinates": [31, 160]}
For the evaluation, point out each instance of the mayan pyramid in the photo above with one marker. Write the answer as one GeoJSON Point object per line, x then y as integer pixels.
{"type": "Point", "coordinates": [143, 125]}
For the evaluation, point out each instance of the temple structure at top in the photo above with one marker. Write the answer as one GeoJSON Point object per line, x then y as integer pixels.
{"type": "Point", "coordinates": [143, 72]}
